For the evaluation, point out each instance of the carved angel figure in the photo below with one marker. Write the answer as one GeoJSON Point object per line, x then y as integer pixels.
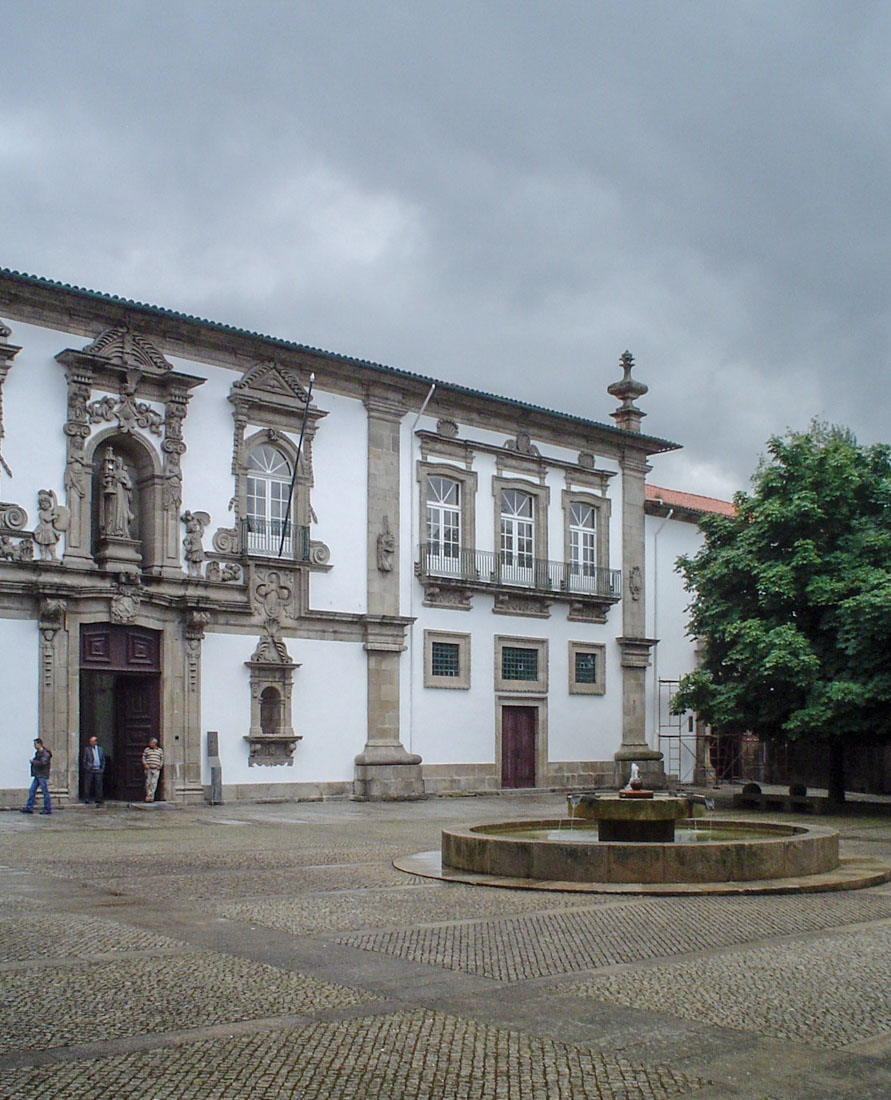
{"type": "Point", "coordinates": [52, 519]}
{"type": "Point", "coordinates": [193, 549]}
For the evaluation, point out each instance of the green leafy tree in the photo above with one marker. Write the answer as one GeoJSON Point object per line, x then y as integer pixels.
{"type": "Point", "coordinates": [792, 596]}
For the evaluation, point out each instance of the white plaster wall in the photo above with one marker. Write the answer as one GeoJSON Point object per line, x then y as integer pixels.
{"type": "Point", "coordinates": [208, 432]}
{"type": "Point", "coordinates": [340, 500]}
{"type": "Point", "coordinates": [329, 704]}
{"type": "Point", "coordinates": [19, 647]}
{"type": "Point", "coordinates": [667, 614]}
{"type": "Point", "coordinates": [35, 401]}
{"type": "Point", "coordinates": [458, 726]}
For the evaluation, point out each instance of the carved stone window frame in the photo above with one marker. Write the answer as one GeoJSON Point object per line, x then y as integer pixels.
{"type": "Point", "coordinates": [268, 405]}
{"type": "Point", "coordinates": [468, 482]}
{"type": "Point", "coordinates": [602, 509]}
{"type": "Point", "coordinates": [521, 687]}
{"type": "Point", "coordinates": [461, 682]}
{"type": "Point", "coordinates": [599, 685]}
{"type": "Point", "coordinates": [541, 496]}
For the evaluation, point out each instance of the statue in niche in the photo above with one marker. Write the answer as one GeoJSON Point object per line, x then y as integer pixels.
{"type": "Point", "coordinates": [386, 548]}
{"type": "Point", "coordinates": [117, 491]}
{"type": "Point", "coordinates": [193, 548]}
{"type": "Point", "coordinates": [52, 519]}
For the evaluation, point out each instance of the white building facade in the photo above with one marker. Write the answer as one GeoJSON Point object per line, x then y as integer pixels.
{"type": "Point", "coordinates": [309, 576]}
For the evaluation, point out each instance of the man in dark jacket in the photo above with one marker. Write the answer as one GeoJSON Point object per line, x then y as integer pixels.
{"type": "Point", "coordinates": [94, 768]}
{"type": "Point", "coordinates": [40, 768]}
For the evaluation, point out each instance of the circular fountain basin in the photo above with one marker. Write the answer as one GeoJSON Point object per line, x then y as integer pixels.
{"type": "Point", "coordinates": [705, 851]}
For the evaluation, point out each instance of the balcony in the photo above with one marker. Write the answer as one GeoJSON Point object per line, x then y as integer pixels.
{"type": "Point", "coordinates": [520, 583]}
{"type": "Point", "coordinates": [263, 538]}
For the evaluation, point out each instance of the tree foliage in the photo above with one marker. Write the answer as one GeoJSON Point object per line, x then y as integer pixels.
{"type": "Point", "coordinates": [792, 596]}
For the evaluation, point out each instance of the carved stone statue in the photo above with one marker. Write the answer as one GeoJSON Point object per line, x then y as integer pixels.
{"type": "Point", "coordinates": [193, 549]}
{"type": "Point", "coordinates": [117, 490]}
{"type": "Point", "coordinates": [52, 519]}
{"type": "Point", "coordinates": [386, 548]}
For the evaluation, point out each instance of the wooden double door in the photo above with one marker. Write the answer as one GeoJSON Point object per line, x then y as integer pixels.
{"type": "Point", "coordinates": [120, 701]}
{"type": "Point", "coordinates": [518, 730]}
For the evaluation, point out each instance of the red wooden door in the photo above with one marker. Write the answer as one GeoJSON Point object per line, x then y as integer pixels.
{"type": "Point", "coordinates": [518, 746]}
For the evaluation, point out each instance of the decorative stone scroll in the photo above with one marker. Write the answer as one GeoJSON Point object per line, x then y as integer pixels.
{"type": "Point", "coordinates": [271, 738]}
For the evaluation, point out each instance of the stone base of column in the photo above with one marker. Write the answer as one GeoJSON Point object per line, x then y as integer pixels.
{"type": "Point", "coordinates": [388, 782]}
{"type": "Point", "coordinates": [649, 762]}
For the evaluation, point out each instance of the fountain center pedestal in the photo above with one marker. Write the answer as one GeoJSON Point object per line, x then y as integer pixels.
{"type": "Point", "coordinates": [634, 819]}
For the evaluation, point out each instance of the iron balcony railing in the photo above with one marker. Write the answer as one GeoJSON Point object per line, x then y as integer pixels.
{"type": "Point", "coordinates": [482, 567]}
{"type": "Point", "coordinates": [264, 538]}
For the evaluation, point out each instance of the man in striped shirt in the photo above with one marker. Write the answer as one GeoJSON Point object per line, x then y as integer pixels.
{"type": "Point", "coordinates": [152, 762]}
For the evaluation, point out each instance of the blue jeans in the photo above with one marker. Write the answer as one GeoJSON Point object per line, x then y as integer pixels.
{"type": "Point", "coordinates": [39, 781]}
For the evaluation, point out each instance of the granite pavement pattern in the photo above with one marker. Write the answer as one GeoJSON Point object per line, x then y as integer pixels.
{"type": "Point", "coordinates": [398, 1055]}
{"type": "Point", "coordinates": [271, 952]}
{"type": "Point", "coordinates": [532, 946]}
{"type": "Point", "coordinates": [778, 990]}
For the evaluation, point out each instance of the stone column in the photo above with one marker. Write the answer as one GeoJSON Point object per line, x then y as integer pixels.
{"type": "Point", "coordinates": [384, 769]}
{"type": "Point", "coordinates": [634, 646]}
{"type": "Point", "coordinates": [183, 757]}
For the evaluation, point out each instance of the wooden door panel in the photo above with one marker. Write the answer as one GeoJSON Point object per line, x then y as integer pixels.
{"type": "Point", "coordinates": [518, 746]}
{"type": "Point", "coordinates": [136, 720]}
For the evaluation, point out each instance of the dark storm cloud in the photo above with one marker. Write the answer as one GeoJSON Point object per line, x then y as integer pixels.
{"type": "Point", "coordinates": [502, 194]}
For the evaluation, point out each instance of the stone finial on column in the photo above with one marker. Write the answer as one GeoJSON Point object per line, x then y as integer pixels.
{"type": "Point", "coordinates": [627, 389]}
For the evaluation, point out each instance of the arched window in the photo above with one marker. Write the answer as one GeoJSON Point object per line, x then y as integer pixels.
{"type": "Point", "coordinates": [268, 485]}
{"type": "Point", "coordinates": [444, 522]}
{"type": "Point", "coordinates": [582, 539]}
{"type": "Point", "coordinates": [517, 535]}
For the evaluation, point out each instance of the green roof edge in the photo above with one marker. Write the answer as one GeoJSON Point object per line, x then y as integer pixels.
{"type": "Point", "coordinates": [367, 364]}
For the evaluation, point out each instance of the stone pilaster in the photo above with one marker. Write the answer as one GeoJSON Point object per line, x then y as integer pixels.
{"type": "Point", "coordinates": [384, 769]}
{"type": "Point", "coordinates": [186, 757]}
{"type": "Point", "coordinates": [53, 695]}
{"type": "Point", "coordinates": [634, 646]}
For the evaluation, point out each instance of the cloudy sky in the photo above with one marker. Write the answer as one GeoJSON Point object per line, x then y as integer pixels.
{"type": "Point", "coordinates": [501, 193]}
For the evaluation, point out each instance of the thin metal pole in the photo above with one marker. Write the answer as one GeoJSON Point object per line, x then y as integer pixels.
{"type": "Point", "coordinates": [281, 545]}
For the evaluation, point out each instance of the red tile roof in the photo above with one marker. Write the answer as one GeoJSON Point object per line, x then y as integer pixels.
{"type": "Point", "coordinates": [690, 502]}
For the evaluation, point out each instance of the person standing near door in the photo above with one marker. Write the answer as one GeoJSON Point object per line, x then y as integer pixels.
{"type": "Point", "coordinates": [40, 769]}
{"type": "Point", "coordinates": [152, 762]}
{"type": "Point", "coordinates": [94, 768]}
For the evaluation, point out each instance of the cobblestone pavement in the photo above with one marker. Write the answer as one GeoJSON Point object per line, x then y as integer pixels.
{"type": "Point", "coordinates": [273, 951]}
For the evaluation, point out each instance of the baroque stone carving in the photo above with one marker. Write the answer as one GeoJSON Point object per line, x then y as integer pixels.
{"type": "Point", "coordinates": [126, 600]}
{"type": "Point", "coordinates": [226, 540]}
{"type": "Point", "coordinates": [457, 598]}
{"type": "Point", "coordinates": [523, 445]}
{"type": "Point", "coordinates": [12, 517]}
{"type": "Point", "coordinates": [193, 548]}
{"type": "Point", "coordinates": [51, 619]}
{"type": "Point", "coordinates": [126, 410]}
{"type": "Point", "coordinates": [271, 738]}
{"type": "Point", "coordinates": [120, 345]}
{"type": "Point", "coordinates": [52, 519]}
{"type": "Point", "coordinates": [386, 547]}
{"type": "Point", "coordinates": [447, 427]}
{"type": "Point", "coordinates": [635, 582]}
{"type": "Point", "coordinates": [509, 603]}
{"type": "Point", "coordinates": [223, 572]}
{"type": "Point", "coordinates": [115, 514]}
{"type": "Point", "coordinates": [319, 553]}
{"type": "Point", "coordinates": [272, 596]}
{"type": "Point", "coordinates": [10, 551]}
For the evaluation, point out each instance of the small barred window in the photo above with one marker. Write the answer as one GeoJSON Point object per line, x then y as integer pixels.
{"type": "Point", "coordinates": [445, 659]}
{"type": "Point", "coordinates": [585, 668]}
{"type": "Point", "coordinates": [519, 664]}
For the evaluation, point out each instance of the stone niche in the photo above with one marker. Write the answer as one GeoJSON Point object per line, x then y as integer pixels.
{"type": "Point", "coordinates": [272, 739]}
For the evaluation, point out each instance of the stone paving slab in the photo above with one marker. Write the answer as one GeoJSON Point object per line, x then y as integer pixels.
{"type": "Point", "coordinates": [582, 939]}
{"type": "Point", "coordinates": [780, 990]}
{"type": "Point", "coordinates": [411, 1054]}
{"type": "Point", "coordinates": [90, 1001]}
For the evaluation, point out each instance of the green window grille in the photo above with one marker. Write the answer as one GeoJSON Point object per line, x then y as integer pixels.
{"type": "Point", "coordinates": [445, 659]}
{"type": "Point", "coordinates": [586, 668]}
{"type": "Point", "coordinates": [519, 664]}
